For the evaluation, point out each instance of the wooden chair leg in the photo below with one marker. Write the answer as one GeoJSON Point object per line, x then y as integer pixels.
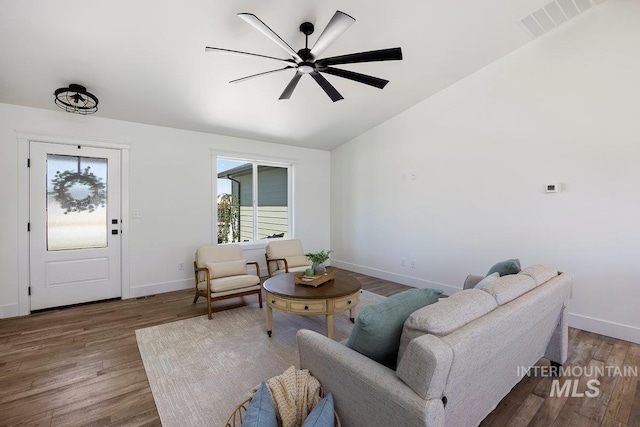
{"type": "Point", "coordinates": [260, 297]}
{"type": "Point", "coordinates": [209, 304]}
{"type": "Point", "coordinates": [197, 296]}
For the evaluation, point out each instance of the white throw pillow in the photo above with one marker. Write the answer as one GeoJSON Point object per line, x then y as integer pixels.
{"type": "Point", "coordinates": [226, 269]}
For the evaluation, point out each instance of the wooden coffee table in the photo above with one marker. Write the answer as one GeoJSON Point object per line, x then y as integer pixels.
{"type": "Point", "coordinates": [337, 295]}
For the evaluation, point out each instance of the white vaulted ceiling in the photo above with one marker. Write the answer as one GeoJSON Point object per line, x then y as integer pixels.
{"type": "Point", "coordinates": [146, 62]}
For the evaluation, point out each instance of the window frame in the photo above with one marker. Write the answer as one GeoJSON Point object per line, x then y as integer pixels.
{"type": "Point", "coordinates": [255, 163]}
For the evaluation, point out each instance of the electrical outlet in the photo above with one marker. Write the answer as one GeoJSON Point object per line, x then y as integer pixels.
{"type": "Point", "coordinates": [413, 263]}
{"type": "Point", "coordinates": [181, 266]}
{"type": "Point", "coordinates": [403, 262]}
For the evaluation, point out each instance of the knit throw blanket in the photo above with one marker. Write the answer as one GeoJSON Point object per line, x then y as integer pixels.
{"type": "Point", "coordinates": [294, 393]}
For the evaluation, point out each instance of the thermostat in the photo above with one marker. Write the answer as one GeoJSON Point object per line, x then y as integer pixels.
{"type": "Point", "coordinates": [552, 188]}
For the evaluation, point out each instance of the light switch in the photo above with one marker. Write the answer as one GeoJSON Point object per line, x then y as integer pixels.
{"type": "Point", "coordinates": [137, 214]}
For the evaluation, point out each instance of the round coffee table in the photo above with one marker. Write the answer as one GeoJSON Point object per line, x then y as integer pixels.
{"type": "Point", "coordinates": [337, 295]}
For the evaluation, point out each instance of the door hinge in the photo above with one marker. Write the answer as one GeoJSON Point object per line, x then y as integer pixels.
{"type": "Point", "coordinates": [28, 163]}
{"type": "Point", "coordinates": [28, 226]}
{"type": "Point", "coordinates": [29, 290]}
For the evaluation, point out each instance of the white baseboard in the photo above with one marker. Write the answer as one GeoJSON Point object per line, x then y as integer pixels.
{"type": "Point", "coordinates": [9, 310]}
{"type": "Point", "coordinates": [393, 277]}
{"type": "Point", "coordinates": [159, 288]}
{"type": "Point", "coordinates": [605, 327]}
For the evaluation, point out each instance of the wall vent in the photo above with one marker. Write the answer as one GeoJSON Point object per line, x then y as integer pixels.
{"type": "Point", "coordinates": [553, 14]}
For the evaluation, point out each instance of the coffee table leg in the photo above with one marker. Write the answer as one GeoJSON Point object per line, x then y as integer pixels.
{"type": "Point", "coordinates": [329, 321]}
{"type": "Point", "coordinates": [352, 314]}
{"type": "Point", "coordinates": [269, 319]}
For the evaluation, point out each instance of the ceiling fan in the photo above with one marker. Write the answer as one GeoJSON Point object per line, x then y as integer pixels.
{"type": "Point", "coordinates": [308, 61]}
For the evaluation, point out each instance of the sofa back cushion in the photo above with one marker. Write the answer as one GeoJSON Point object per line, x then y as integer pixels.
{"type": "Point", "coordinates": [508, 288]}
{"type": "Point", "coordinates": [377, 329]}
{"type": "Point", "coordinates": [540, 273]}
{"type": "Point", "coordinates": [445, 317]}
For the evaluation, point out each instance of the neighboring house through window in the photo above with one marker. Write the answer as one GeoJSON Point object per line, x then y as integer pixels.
{"type": "Point", "coordinates": [253, 200]}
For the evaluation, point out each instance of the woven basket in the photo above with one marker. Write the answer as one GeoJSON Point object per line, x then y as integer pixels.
{"type": "Point", "coordinates": [236, 417]}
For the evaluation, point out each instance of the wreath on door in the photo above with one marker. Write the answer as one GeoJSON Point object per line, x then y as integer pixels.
{"type": "Point", "coordinates": [64, 182]}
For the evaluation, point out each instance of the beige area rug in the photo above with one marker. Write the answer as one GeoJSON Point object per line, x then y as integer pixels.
{"type": "Point", "coordinates": [200, 369]}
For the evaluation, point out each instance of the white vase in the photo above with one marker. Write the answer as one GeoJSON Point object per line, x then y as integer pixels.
{"type": "Point", "coordinates": [319, 269]}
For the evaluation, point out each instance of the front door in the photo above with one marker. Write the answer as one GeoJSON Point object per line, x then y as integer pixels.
{"type": "Point", "coordinates": [74, 213]}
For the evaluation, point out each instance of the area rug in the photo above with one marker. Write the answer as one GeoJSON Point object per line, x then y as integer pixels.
{"type": "Point", "coordinates": [200, 369]}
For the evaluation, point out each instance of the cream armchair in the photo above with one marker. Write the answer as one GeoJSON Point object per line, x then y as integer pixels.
{"type": "Point", "coordinates": [221, 273]}
{"type": "Point", "coordinates": [285, 256]}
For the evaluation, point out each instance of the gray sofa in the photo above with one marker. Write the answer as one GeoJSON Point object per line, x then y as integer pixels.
{"type": "Point", "coordinates": [458, 357]}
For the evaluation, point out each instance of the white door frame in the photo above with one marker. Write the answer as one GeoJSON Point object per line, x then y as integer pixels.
{"type": "Point", "coordinates": [24, 301]}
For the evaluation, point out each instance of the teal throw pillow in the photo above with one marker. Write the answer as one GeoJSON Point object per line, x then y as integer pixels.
{"type": "Point", "coordinates": [510, 266]}
{"type": "Point", "coordinates": [378, 327]}
{"type": "Point", "coordinates": [322, 414]}
{"type": "Point", "coordinates": [260, 412]}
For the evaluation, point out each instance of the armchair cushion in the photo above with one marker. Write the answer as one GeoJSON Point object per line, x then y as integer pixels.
{"type": "Point", "coordinates": [219, 253]}
{"type": "Point", "coordinates": [223, 284]}
{"type": "Point", "coordinates": [297, 261]}
{"type": "Point", "coordinates": [286, 249]}
{"type": "Point", "coordinates": [378, 327]}
{"type": "Point", "coordinates": [227, 268]}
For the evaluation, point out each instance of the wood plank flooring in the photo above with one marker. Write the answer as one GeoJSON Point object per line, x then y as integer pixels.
{"type": "Point", "coordinates": [81, 366]}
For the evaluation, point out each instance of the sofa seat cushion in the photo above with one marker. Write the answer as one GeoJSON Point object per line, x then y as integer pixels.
{"type": "Point", "coordinates": [228, 283]}
{"type": "Point", "coordinates": [508, 288]}
{"type": "Point", "coordinates": [510, 266]}
{"type": "Point", "coordinates": [446, 316]}
{"type": "Point", "coordinates": [378, 327]}
{"type": "Point", "coordinates": [227, 268]}
{"type": "Point", "coordinates": [540, 273]}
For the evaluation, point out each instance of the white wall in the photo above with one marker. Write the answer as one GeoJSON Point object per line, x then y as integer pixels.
{"type": "Point", "coordinates": [564, 108]}
{"type": "Point", "coordinates": [170, 182]}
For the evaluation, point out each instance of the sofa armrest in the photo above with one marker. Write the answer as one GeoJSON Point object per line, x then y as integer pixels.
{"type": "Point", "coordinates": [471, 281]}
{"type": "Point", "coordinates": [365, 392]}
{"type": "Point", "coordinates": [425, 366]}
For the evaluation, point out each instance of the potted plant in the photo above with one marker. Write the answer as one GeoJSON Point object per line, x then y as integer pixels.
{"type": "Point", "coordinates": [317, 259]}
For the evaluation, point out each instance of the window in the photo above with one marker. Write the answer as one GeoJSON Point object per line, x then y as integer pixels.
{"type": "Point", "coordinates": [253, 200]}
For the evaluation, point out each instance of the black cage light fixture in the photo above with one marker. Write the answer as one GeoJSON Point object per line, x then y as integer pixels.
{"type": "Point", "coordinates": [76, 99]}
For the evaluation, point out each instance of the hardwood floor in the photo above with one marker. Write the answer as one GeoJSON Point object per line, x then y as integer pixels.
{"type": "Point", "coordinates": [81, 366]}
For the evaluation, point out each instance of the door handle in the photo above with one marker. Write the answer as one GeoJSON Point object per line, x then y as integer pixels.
{"type": "Point", "coordinates": [114, 231]}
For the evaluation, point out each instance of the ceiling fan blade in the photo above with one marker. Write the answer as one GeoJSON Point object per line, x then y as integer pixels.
{"type": "Point", "coordinates": [264, 29]}
{"type": "Point", "coordinates": [334, 29]}
{"type": "Point", "coordinates": [326, 86]}
{"type": "Point", "coordinates": [240, 53]}
{"type": "Point", "coordinates": [393, 54]}
{"type": "Point", "coordinates": [253, 76]}
{"type": "Point", "coordinates": [291, 86]}
{"type": "Point", "coordinates": [361, 78]}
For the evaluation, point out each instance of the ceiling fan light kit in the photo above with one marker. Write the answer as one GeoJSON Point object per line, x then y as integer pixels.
{"type": "Point", "coordinates": [308, 61]}
{"type": "Point", "coordinates": [76, 99]}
